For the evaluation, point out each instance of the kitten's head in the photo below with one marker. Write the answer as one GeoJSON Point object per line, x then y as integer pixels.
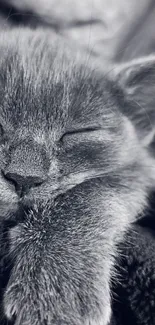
{"type": "Point", "coordinates": [73, 162]}
{"type": "Point", "coordinates": [62, 122]}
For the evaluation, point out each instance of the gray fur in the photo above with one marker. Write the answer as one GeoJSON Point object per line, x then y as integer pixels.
{"type": "Point", "coordinates": [63, 123]}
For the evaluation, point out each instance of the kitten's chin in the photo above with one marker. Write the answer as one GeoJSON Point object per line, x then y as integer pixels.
{"type": "Point", "coordinates": [8, 210]}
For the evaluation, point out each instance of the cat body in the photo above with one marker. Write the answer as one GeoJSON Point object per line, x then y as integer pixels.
{"type": "Point", "coordinates": [75, 175]}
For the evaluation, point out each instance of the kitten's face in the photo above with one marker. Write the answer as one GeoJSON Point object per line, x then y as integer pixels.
{"type": "Point", "coordinates": [61, 127]}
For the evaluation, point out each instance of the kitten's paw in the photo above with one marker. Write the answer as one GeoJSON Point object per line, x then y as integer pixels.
{"type": "Point", "coordinates": [24, 313]}
{"type": "Point", "coordinates": [11, 302]}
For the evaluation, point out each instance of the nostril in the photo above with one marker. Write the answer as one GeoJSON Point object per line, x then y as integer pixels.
{"type": "Point", "coordinates": [18, 188]}
{"type": "Point", "coordinates": [37, 184]}
{"type": "Point", "coordinates": [9, 179]}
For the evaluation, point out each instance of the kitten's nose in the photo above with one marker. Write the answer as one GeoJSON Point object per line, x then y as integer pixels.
{"type": "Point", "coordinates": [24, 180]}
{"type": "Point", "coordinates": [28, 166]}
{"type": "Point", "coordinates": [23, 183]}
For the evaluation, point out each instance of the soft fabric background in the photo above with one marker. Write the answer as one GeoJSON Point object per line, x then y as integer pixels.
{"type": "Point", "coordinates": [113, 29]}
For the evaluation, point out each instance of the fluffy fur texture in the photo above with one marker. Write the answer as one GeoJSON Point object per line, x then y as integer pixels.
{"type": "Point", "coordinates": [75, 174]}
{"type": "Point", "coordinates": [134, 293]}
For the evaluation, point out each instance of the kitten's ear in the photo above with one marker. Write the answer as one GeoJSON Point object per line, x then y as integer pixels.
{"type": "Point", "coordinates": [137, 81]}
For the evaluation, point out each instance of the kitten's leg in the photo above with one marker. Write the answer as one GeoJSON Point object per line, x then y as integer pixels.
{"type": "Point", "coordinates": [61, 291]}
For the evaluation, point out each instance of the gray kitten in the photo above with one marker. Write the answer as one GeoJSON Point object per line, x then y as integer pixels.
{"type": "Point", "coordinates": [76, 171]}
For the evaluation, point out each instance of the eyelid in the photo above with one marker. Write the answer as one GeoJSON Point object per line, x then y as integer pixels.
{"type": "Point", "coordinates": [84, 130]}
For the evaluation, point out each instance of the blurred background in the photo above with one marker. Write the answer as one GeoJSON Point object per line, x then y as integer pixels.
{"type": "Point", "coordinates": [117, 30]}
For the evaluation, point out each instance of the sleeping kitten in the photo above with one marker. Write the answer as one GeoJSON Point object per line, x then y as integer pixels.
{"type": "Point", "coordinates": [75, 172]}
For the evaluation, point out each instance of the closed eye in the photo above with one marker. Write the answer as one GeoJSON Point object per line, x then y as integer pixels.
{"type": "Point", "coordinates": [81, 131]}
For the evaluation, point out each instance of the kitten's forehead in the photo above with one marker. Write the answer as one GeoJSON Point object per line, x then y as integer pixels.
{"type": "Point", "coordinates": [38, 90]}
